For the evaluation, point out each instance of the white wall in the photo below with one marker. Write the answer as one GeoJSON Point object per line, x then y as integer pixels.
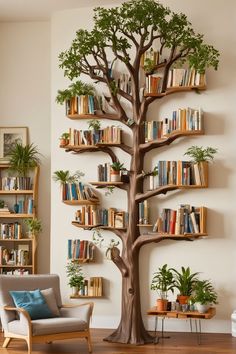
{"type": "Point", "coordinates": [213, 256]}
{"type": "Point", "coordinates": [25, 101]}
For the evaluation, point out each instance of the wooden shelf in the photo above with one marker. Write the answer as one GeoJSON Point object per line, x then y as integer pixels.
{"type": "Point", "coordinates": [85, 296]}
{"type": "Point", "coordinates": [16, 266]}
{"type": "Point", "coordinates": [144, 225]}
{"type": "Point", "coordinates": [80, 202]}
{"type": "Point", "coordinates": [16, 216]}
{"type": "Point", "coordinates": [100, 184]}
{"type": "Point", "coordinates": [89, 227]}
{"type": "Point", "coordinates": [81, 260]}
{"type": "Point", "coordinates": [16, 240]}
{"type": "Point", "coordinates": [176, 237]}
{"type": "Point", "coordinates": [84, 147]}
{"type": "Point", "coordinates": [14, 192]}
{"type": "Point", "coordinates": [93, 116]}
{"type": "Point", "coordinates": [175, 89]}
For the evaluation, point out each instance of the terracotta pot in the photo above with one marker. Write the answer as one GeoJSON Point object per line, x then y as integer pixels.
{"type": "Point", "coordinates": [161, 304]}
{"type": "Point", "coordinates": [115, 176]}
{"type": "Point", "coordinates": [64, 142]}
{"type": "Point", "coordinates": [183, 299]}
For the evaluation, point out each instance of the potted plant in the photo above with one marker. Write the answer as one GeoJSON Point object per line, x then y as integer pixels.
{"type": "Point", "coordinates": [64, 177]}
{"type": "Point", "coordinates": [184, 282]}
{"type": "Point", "coordinates": [204, 295]}
{"type": "Point", "coordinates": [34, 227]}
{"type": "Point", "coordinates": [75, 277]}
{"type": "Point", "coordinates": [163, 281]}
{"type": "Point", "coordinates": [95, 125]}
{"type": "Point", "coordinates": [23, 158]}
{"type": "Point", "coordinates": [69, 95]}
{"type": "Point", "coordinates": [115, 174]}
{"type": "Point", "coordinates": [64, 139]}
{"type": "Point", "coordinates": [200, 157]}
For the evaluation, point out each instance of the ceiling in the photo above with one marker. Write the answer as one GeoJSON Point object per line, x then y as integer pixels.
{"type": "Point", "coordinates": [39, 10]}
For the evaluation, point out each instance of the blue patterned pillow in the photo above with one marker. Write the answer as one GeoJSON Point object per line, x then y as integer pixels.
{"type": "Point", "coordinates": [33, 302]}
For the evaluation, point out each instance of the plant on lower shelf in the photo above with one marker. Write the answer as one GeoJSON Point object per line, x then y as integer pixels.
{"type": "Point", "coordinates": [162, 282]}
{"type": "Point", "coordinates": [75, 276]}
{"type": "Point", "coordinates": [23, 158]}
{"type": "Point", "coordinates": [199, 154]}
{"type": "Point", "coordinates": [184, 282]}
{"type": "Point", "coordinates": [116, 168]}
{"type": "Point", "coordinates": [64, 139]}
{"type": "Point", "coordinates": [65, 177]}
{"type": "Point", "coordinates": [34, 227]}
{"type": "Point", "coordinates": [203, 295]}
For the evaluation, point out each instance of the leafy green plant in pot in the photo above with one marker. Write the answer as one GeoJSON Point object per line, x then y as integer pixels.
{"type": "Point", "coordinates": [95, 125]}
{"type": "Point", "coordinates": [64, 139]}
{"type": "Point", "coordinates": [204, 295]}
{"type": "Point", "coordinates": [34, 227]}
{"type": "Point", "coordinates": [22, 159]}
{"type": "Point", "coordinates": [162, 282]}
{"type": "Point", "coordinates": [75, 276]}
{"type": "Point", "coordinates": [200, 157]}
{"type": "Point", "coordinates": [64, 178]}
{"type": "Point", "coordinates": [115, 173]}
{"type": "Point", "coordinates": [184, 281]}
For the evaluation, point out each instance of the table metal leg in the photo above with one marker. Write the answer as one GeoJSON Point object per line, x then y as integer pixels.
{"type": "Point", "coordinates": [198, 330]}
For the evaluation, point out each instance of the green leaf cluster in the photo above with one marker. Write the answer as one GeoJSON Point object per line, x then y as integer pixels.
{"type": "Point", "coordinates": [163, 281]}
{"type": "Point", "coordinates": [65, 177]}
{"type": "Point", "coordinates": [199, 154]}
{"type": "Point", "coordinates": [34, 225]}
{"type": "Point", "coordinates": [204, 292]}
{"type": "Point", "coordinates": [78, 88]}
{"type": "Point", "coordinates": [23, 158]}
{"type": "Point", "coordinates": [75, 275]}
{"type": "Point", "coordinates": [135, 24]}
{"type": "Point", "coordinates": [185, 280]}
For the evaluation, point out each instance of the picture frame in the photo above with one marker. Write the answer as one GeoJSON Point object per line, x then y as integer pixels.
{"type": "Point", "coordinates": [10, 136]}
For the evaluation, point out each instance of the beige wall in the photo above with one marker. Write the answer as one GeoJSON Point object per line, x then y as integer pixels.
{"type": "Point", "coordinates": [25, 101]}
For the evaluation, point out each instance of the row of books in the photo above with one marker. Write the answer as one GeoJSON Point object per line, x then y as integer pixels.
{"type": "Point", "coordinates": [124, 83]}
{"type": "Point", "coordinates": [20, 271]}
{"type": "Point", "coordinates": [185, 77]}
{"type": "Point", "coordinates": [104, 172]}
{"type": "Point", "coordinates": [108, 135]}
{"type": "Point", "coordinates": [85, 104]}
{"type": "Point", "coordinates": [91, 215]}
{"type": "Point", "coordinates": [11, 231]}
{"type": "Point", "coordinates": [183, 173]}
{"type": "Point", "coordinates": [80, 250]}
{"type": "Point", "coordinates": [143, 212]}
{"type": "Point", "coordinates": [14, 257]}
{"type": "Point", "coordinates": [25, 206]}
{"type": "Point", "coordinates": [78, 191]}
{"type": "Point", "coordinates": [185, 220]}
{"type": "Point", "coordinates": [187, 119]}
{"type": "Point", "coordinates": [92, 287]}
{"type": "Point", "coordinates": [15, 183]}
{"type": "Point", "coordinates": [176, 78]}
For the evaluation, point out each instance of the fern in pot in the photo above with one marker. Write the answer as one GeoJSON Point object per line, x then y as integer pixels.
{"type": "Point", "coordinates": [204, 295]}
{"type": "Point", "coordinates": [22, 159]}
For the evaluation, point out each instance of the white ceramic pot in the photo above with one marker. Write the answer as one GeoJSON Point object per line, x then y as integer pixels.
{"type": "Point", "coordinates": [202, 308]}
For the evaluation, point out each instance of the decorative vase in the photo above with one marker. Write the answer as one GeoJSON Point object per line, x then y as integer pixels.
{"type": "Point", "coordinates": [16, 208]}
{"type": "Point", "coordinates": [151, 183]}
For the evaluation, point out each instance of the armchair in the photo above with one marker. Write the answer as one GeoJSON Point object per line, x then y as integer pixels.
{"type": "Point", "coordinates": [71, 322]}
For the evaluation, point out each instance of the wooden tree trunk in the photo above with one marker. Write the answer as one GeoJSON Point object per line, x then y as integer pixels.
{"type": "Point", "coordinates": [131, 328]}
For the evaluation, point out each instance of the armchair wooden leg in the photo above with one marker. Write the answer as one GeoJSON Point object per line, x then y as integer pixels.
{"type": "Point", "coordinates": [6, 342]}
{"type": "Point", "coordinates": [29, 344]}
{"type": "Point", "coordinates": [88, 338]}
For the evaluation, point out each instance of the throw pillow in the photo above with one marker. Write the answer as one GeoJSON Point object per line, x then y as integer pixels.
{"type": "Point", "coordinates": [33, 302]}
{"type": "Point", "coordinates": [51, 301]}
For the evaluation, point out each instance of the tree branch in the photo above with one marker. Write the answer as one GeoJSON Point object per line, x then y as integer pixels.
{"type": "Point", "coordinates": [156, 237]}
{"type": "Point", "coordinates": [123, 147]}
{"type": "Point", "coordinates": [119, 262]}
{"type": "Point", "coordinates": [161, 190]}
{"type": "Point", "coordinates": [96, 148]}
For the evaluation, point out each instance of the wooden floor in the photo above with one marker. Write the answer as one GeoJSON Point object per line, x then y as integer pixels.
{"type": "Point", "coordinates": [178, 343]}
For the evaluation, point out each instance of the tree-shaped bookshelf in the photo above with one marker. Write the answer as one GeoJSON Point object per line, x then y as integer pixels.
{"type": "Point", "coordinates": [125, 34]}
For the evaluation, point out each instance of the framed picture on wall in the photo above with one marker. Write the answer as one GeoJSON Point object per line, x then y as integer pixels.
{"type": "Point", "coordinates": [10, 136]}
